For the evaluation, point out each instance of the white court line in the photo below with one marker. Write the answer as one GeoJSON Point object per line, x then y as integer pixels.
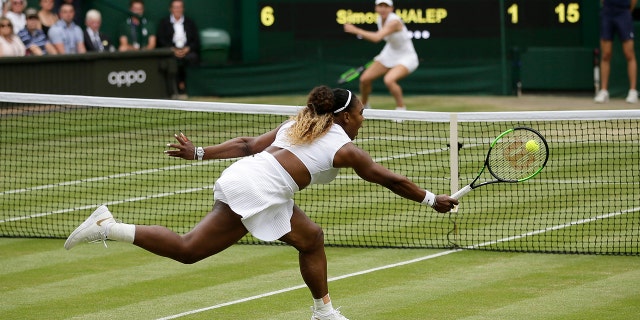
{"type": "Point", "coordinates": [403, 263]}
{"type": "Point", "coordinates": [113, 176]}
{"type": "Point", "coordinates": [176, 167]}
{"type": "Point", "coordinates": [196, 189]}
{"type": "Point", "coordinates": [267, 294]}
{"type": "Point", "coordinates": [93, 206]}
{"type": "Point", "coordinates": [159, 195]}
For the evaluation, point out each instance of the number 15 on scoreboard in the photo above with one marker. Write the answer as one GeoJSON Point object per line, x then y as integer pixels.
{"type": "Point", "coordinates": [568, 12]}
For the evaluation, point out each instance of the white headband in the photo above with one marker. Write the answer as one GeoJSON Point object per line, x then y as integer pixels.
{"type": "Point", "coordinates": [346, 103]}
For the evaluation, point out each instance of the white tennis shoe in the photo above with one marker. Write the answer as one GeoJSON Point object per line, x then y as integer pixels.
{"type": "Point", "coordinates": [602, 96]}
{"type": "Point", "coordinates": [632, 96]}
{"type": "Point", "coordinates": [94, 229]}
{"type": "Point", "coordinates": [333, 315]}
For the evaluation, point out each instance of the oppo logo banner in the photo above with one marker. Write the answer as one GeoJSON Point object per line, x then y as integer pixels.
{"type": "Point", "coordinates": [126, 78]}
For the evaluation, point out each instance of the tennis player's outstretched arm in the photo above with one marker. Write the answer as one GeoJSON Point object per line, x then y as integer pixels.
{"type": "Point", "coordinates": [350, 156]}
{"type": "Point", "coordinates": [233, 148]}
{"type": "Point", "coordinates": [374, 36]}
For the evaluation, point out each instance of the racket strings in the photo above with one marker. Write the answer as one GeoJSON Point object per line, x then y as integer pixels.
{"type": "Point", "coordinates": [511, 160]}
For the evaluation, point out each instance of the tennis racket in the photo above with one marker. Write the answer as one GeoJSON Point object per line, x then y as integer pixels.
{"type": "Point", "coordinates": [516, 155]}
{"type": "Point", "coordinates": [353, 73]}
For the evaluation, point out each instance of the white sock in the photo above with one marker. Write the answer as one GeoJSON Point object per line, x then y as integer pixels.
{"type": "Point", "coordinates": [401, 108]}
{"type": "Point", "coordinates": [322, 307]}
{"type": "Point", "coordinates": [121, 232]}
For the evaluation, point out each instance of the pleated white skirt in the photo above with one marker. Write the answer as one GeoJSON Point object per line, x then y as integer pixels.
{"type": "Point", "coordinates": [261, 191]}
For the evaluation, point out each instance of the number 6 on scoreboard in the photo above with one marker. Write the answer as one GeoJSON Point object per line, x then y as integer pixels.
{"type": "Point", "coordinates": [516, 155]}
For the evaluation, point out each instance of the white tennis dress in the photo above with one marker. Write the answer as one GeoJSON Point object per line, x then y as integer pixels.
{"type": "Point", "coordinates": [399, 47]}
{"type": "Point", "coordinates": [260, 190]}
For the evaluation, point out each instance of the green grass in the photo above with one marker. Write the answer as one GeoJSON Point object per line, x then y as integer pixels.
{"type": "Point", "coordinates": [40, 280]}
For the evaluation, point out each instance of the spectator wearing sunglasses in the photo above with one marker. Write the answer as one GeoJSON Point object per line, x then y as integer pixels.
{"type": "Point", "coordinates": [10, 44]}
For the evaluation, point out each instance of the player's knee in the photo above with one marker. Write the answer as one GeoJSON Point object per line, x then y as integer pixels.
{"type": "Point", "coordinates": [313, 240]}
{"type": "Point", "coordinates": [365, 81]}
{"type": "Point", "coordinates": [189, 257]}
{"type": "Point", "coordinates": [188, 253]}
{"type": "Point", "coordinates": [187, 260]}
{"type": "Point", "coordinates": [390, 82]}
{"type": "Point", "coordinates": [630, 56]}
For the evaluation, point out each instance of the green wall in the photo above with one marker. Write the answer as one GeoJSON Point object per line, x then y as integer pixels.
{"type": "Point", "coordinates": [472, 53]}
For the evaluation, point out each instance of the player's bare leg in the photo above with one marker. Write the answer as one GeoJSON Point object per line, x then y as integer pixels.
{"type": "Point", "coordinates": [605, 69]}
{"type": "Point", "coordinates": [632, 66]}
{"type": "Point", "coordinates": [375, 71]}
{"type": "Point", "coordinates": [391, 81]}
{"type": "Point", "coordinates": [217, 231]}
{"type": "Point", "coordinates": [308, 238]}
{"type": "Point", "coordinates": [605, 63]}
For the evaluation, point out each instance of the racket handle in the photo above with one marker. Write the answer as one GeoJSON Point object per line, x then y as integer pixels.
{"type": "Point", "coordinates": [461, 192]}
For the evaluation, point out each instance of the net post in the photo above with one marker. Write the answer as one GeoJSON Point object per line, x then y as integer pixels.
{"type": "Point", "coordinates": [453, 154]}
{"type": "Point", "coordinates": [453, 167]}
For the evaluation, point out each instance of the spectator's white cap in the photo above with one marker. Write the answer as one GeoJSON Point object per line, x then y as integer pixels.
{"type": "Point", "coordinates": [31, 12]}
{"type": "Point", "coordinates": [387, 2]}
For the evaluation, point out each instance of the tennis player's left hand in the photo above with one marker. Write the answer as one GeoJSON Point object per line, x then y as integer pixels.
{"type": "Point", "coordinates": [185, 148]}
{"type": "Point", "coordinates": [444, 203]}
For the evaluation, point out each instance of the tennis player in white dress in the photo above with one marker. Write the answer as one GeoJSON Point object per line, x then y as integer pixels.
{"type": "Point", "coordinates": [397, 59]}
{"type": "Point", "coordinates": [255, 194]}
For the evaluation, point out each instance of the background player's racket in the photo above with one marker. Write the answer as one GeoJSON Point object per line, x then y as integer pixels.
{"type": "Point", "coordinates": [353, 73]}
{"type": "Point", "coordinates": [516, 155]}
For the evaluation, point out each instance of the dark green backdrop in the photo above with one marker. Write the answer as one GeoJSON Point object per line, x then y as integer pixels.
{"type": "Point", "coordinates": [474, 50]}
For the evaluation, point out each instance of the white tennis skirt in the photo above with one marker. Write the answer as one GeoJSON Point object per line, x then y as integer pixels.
{"type": "Point", "coordinates": [390, 58]}
{"type": "Point", "coordinates": [260, 190]}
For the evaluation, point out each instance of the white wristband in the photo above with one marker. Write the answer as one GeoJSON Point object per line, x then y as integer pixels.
{"type": "Point", "coordinates": [199, 153]}
{"type": "Point", "coordinates": [429, 199]}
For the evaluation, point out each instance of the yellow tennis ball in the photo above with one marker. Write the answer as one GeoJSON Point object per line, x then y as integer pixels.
{"type": "Point", "coordinates": [532, 146]}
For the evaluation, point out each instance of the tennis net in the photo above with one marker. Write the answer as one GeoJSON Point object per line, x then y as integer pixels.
{"type": "Point", "coordinates": [65, 155]}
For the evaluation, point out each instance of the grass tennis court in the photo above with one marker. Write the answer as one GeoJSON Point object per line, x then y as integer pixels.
{"type": "Point", "coordinates": [39, 279]}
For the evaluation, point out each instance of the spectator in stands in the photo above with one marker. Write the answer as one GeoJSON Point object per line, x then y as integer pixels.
{"type": "Point", "coordinates": [10, 44]}
{"type": "Point", "coordinates": [47, 17]}
{"type": "Point", "coordinates": [65, 35]}
{"type": "Point", "coordinates": [94, 40]}
{"type": "Point", "coordinates": [15, 13]}
{"type": "Point", "coordinates": [615, 18]}
{"type": "Point", "coordinates": [180, 33]}
{"type": "Point", "coordinates": [77, 7]}
{"type": "Point", "coordinates": [34, 39]}
{"type": "Point", "coordinates": [137, 33]}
